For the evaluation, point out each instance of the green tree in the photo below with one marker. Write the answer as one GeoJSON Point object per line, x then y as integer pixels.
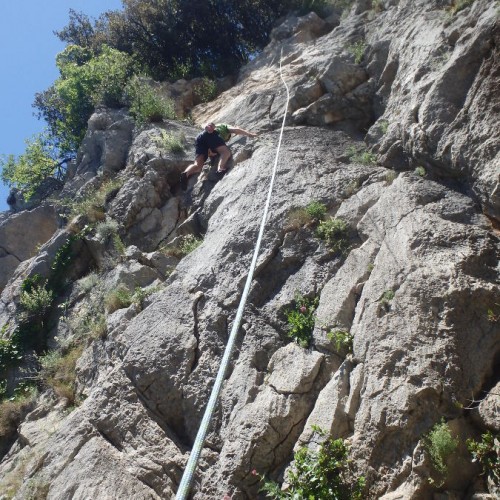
{"type": "Point", "coordinates": [85, 81]}
{"type": "Point", "coordinates": [39, 161]}
{"type": "Point", "coordinates": [185, 38]}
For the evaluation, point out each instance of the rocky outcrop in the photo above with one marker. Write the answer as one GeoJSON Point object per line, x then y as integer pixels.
{"type": "Point", "coordinates": [425, 86]}
{"type": "Point", "coordinates": [415, 287]}
{"type": "Point", "coordinates": [21, 235]}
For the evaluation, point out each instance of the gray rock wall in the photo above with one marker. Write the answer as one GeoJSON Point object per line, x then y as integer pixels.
{"type": "Point", "coordinates": [413, 290]}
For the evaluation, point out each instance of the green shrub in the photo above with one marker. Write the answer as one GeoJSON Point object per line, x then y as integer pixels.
{"type": "Point", "coordinates": [10, 353]}
{"type": "Point", "coordinates": [89, 322]}
{"type": "Point", "coordinates": [390, 176]}
{"type": "Point", "coordinates": [316, 210]}
{"type": "Point", "coordinates": [87, 283]}
{"type": "Point", "coordinates": [357, 49]}
{"type": "Point", "coordinates": [186, 245]}
{"type": "Point", "coordinates": [335, 232]}
{"type": "Point", "coordinates": [299, 217]}
{"type": "Point", "coordinates": [343, 340]}
{"type": "Point", "coordinates": [92, 204]}
{"type": "Point", "coordinates": [12, 411]}
{"type": "Point", "coordinates": [37, 301]}
{"type": "Point", "coordinates": [440, 444]}
{"type": "Point", "coordinates": [106, 229]}
{"type": "Point", "coordinates": [301, 319]}
{"type": "Point", "coordinates": [459, 5]}
{"type": "Point", "coordinates": [141, 294]}
{"type": "Point", "coordinates": [190, 243]}
{"type": "Point", "coordinates": [146, 104]}
{"type": "Point", "coordinates": [494, 314]}
{"type": "Point", "coordinates": [420, 171]}
{"type": "Point", "coordinates": [384, 126]}
{"type": "Point", "coordinates": [386, 298]}
{"type": "Point", "coordinates": [61, 264]}
{"type": "Point", "coordinates": [377, 5]}
{"type": "Point", "coordinates": [206, 90]}
{"type": "Point", "coordinates": [352, 188]}
{"type": "Point", "coordinates": [59, 372]}
{"type": "Point", "coordinates": [118, 299]}
{"type": "Point", "coordinates": [487, 454]}
{"type": "Point", "coordinates": [322, 474]}
{"type": "Point", "coordinates": [118, 244]}
{"type": "Point", "coordinates": [27, 172]}
{"type": "Point", "coordinates": [361, 155]}
{"type": "Point", "coordinates": [170, 142]}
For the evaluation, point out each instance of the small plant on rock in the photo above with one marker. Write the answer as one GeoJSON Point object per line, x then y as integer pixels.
{"type": "Point", "coordinates": [357, 49]}
{"type": "Point", "coordinates": [301, 319]}
{"type": "Point", "coordinates": [361, 155]}
{"type": "Point", "coordinates": [335, 232]}
{"type": "Point", "coordinates": [390, 176]}
{"type": "Point", "coordinates": [92, 204]}
{"type": "Point", "coordinates": [106, 229]}
{"type": "Point", "coordinates": [141, 294]}
{"type": "Point", "coordinates": [118, 298]}
{"type": "Point", "coordinates": [320, 474]}
{"type": "Point", "coordinates": [171, 142]}
{"type": "Point", "coordinates": [87, 283]}
{"type": "Point", "coordinates": [147, 104]}
{"type": "Point", "coordinates": [311, 214]}
{"type": "Point", "coordinates": [494, 314]}
{"type": "Point", "coordinates": [487, 454]}
{"type": "Point", "coordinates": [440, 444]}
{"type": "Point", "coordinates": [10, 353]}
{"type": "Point", "coordinates": [459, 5]}
{"type": "Point", "coordinates": [190, 243]}
{"type": "Point", "coordinates": [37, 300]}
{"type": "Point", "coordinates": [420, 171]}
{"type": "Point", "coordinates": [386, 299]}
{"type": "Point", "coordinates": [206, 90]}
{"type": "Point", "coordinates": [13, 410]}
{"type": "Point", "coordinates": [182, 247]}
{"type": "Point", "coordinates": [59, 371]}
{"type": "Point", "coordinates": [342, 340]}
{"type": "Point", "coordinates": [352, 188]}
{"type": "Point", "coordinates": [316, 210]}
{"type": "Point", "coordinates": [377, 5]}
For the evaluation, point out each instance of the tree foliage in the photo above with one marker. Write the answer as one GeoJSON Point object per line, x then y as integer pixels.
{"type": "Point", "coordinates": [185, 38]}
{"type": "Point", "coordinates": [85, 81]}
{"type": "Point", "coordinates": [29, 170]}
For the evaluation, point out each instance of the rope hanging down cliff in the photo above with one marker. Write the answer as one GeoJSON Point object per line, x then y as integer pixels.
{"type": "Point", "coordinates": [187, 477]}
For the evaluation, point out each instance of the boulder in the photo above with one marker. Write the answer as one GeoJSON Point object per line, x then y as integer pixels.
{"type": "Point", "coordinates": [21, 235]}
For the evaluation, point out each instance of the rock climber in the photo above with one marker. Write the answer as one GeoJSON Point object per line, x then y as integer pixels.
{"type": "Point", "coordinates": [212, 139]}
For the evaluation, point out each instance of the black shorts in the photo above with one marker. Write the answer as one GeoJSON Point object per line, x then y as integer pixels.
{"type": "Point", "coordinates": [206, 141]}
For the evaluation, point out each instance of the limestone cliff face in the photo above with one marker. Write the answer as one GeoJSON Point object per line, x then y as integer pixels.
{"type": "Point", "coordinates": [413, 289]}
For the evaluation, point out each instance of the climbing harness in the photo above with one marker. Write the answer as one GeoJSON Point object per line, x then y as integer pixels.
{"type": "Point", "coordinates": [187, 477]}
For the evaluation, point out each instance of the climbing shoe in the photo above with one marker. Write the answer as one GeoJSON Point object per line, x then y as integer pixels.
{"type": "Point", "coordinates": [184, 181]}
{"type": "Point", "coordinates": [220, 174]}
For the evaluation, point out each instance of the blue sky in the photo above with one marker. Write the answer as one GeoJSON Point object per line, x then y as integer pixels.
{"type": "Point", "coordinates": [28, 48]}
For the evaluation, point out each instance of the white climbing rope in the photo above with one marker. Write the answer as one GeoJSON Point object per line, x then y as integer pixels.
{"type": "Point", "coordinates": [187, 477]}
